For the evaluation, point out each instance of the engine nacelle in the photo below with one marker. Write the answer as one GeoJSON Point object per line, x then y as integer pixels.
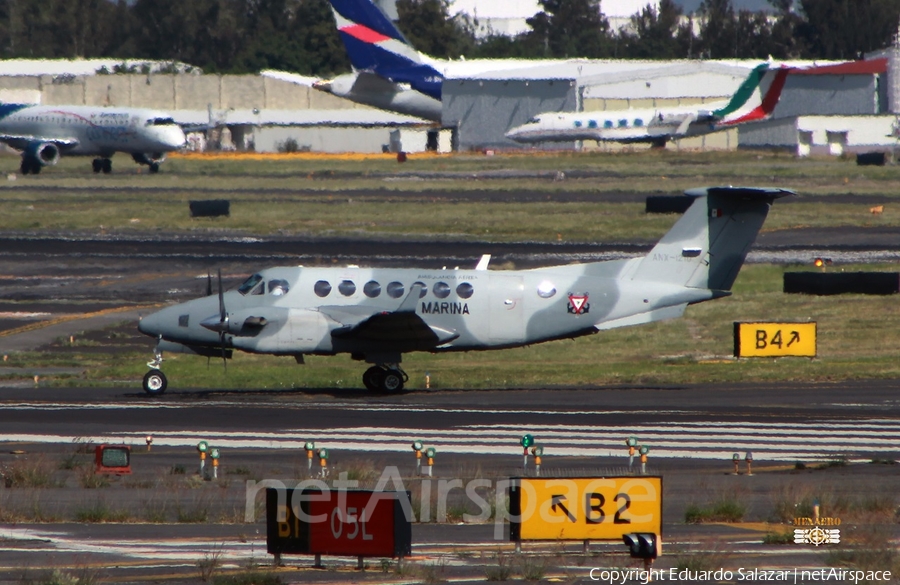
{"type": "Point", "coordinates": [46, 153]}
{"type": "Point", "coordinates": [148, 158]}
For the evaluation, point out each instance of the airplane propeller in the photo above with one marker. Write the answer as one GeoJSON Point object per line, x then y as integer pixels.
{"type": "Point", "coordinates": [208, 284]}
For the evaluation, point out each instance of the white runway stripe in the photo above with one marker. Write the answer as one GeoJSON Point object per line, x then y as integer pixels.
{"type": "Point", "coordinates": [770, 441]}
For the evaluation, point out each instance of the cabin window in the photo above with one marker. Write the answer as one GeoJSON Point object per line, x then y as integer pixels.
{"type": "Point", "coordinates": [372, 289]}
{"type": "Point", "coordinates": [278, 287]}
{"type": "Point", "coordinates": [395, 290]}
{"type": "Point", "coordinates": [592, 124]}
{"type": "Point", "coordinates": [347, 288]}
{"type": "Point", "coordinates": [183, 320]}
{"type": "Point", "coordinates": [465, 290]}
{"type": "Point", "coordinates": [424, 290]}
{"type": "Point", "coordinates": [638, 123]}
{"type": "Point", "coordinates": [623, 123]}
{"type": "Point", "coordinates": [545, 290]}
{"type": "Point", "coordinates": [578, 123]}
{"type": "Point", "coordinates": [441, 290]}
{"type": "Point", "coordinates": [322, 288]}
{"type": "Point", "coordinates": [608, 124]}
{"type": "Point", "coordinates": [249, 284]}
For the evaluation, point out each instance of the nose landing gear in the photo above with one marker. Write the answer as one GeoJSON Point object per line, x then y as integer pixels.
{"type": "Point", "coordinates": [155, 382]}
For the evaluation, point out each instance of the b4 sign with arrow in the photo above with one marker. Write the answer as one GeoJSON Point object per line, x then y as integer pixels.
{"type": "Point", "coordinates": [774, 339]}
{"type": "Point", "coordinates": [547, 508]}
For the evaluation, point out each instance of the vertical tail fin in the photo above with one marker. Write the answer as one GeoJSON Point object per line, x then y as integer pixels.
{"type": "Point", "coordinates": [765, 87]}
{"type": "Point", "coordinates": [374, 44]}
{"type": "Point", "coordinates": [707, 246]}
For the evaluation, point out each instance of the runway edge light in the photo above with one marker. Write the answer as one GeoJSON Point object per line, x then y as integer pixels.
{"type": "Point", "coordinates": [642, 545]}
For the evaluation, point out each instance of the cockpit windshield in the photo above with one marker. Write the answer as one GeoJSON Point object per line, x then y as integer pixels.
{"type": "Point", "coordinates": [250, 284]}
{"type": "Point", "coordinates": [535, 120]}
{"type": "Point", "coordinates": [161, 122]}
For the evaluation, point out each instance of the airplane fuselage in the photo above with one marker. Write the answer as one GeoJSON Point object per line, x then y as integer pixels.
{"type": "Point", "coordinates": [627, 126]}
{"type": "Point", "coordinates": [478, 309]}
{"type": "Point", "coordinates": [90, 131]}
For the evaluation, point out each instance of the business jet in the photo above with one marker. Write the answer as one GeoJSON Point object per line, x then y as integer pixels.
{"type": "Point", "coordinates": [45, 133]}
{"type": "Point", "coordinates": [377, 314]}
{"type": "Point", "coordinates": [755, 100]}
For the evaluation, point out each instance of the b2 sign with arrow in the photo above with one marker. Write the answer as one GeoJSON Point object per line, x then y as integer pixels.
{"type": "Point", "coordinates": [548, 508]}
{"type": "Point", "coordinates": [774, 339]}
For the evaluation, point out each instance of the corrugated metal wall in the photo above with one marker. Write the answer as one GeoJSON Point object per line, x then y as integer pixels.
{"type": "Point", "coordinates": [484, 110]}
{"type": "Point", "coordinates": [828, 95]}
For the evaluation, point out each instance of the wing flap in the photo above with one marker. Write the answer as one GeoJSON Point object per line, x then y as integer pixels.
{"type": "Point", "coordinates": [404, 329]}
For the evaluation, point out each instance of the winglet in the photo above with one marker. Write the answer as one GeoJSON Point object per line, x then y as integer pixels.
{"type": "Point", "coordinates": [483, 262]}
{"type": "Point", "coordinates": [409, 303]}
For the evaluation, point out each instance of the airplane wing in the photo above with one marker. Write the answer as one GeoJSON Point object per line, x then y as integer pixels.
{"type": "Point", "coordinates": [685, 124]}
{"type": "Point", "coordinates": [22, 141]}
{"type": "Point", "coordinates": [401, 328]}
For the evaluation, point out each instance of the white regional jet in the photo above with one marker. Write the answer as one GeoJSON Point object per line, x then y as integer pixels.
{"type": "Point", "coordinates": [754, 100]}
{"type": "Point", "coordinates": [44, 133]}
{"type": "Point", "coordinates": [378, 314]}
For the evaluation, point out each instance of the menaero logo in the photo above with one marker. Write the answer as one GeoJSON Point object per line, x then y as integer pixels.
{"type": "Point", "coordinates": [816, 534]}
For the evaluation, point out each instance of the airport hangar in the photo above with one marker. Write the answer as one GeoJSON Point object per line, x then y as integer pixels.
{"type": "Point", "coordinates": [830, 108]}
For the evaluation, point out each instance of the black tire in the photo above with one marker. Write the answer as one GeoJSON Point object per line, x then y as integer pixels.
{"type": "Point", "coordinates": [97, 165]}
{"type": "Point", "coordinates": [25, 167]}
{"type": "Point", "coordinates": [373, 379]}
{"type": "Point", "coordinates": [155, 383]}
{"type": "Point", "coordinates": [393, 381]}
{"type": "Point", "coordinates": [154, 167]}
{"type": "Point", "coordinates": [107, 166]}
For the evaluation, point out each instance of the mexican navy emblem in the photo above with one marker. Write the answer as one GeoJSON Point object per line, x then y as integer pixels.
{"type": "Point", "coordinates": [578, 304]}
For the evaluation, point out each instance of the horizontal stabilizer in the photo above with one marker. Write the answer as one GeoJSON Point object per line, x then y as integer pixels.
{"type": "Point", "coordinates": [746, 193]}
{"type": "Point", "coordinates": [662, 314]}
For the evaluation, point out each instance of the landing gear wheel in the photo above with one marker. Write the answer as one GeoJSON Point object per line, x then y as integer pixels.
{"type": "Point", "coordinates": [393, 381]}
{"type": "Point", "coordinates": [155, 382]}
{"type": "Point", "coordinates": [29, 165]}
{"type": "Point", "coordinates": [97, 165]}
{"type": "Point", "coordinates": [373, 379]}
{"type": "Point", "coordinates": [106, 166]}
{"type": "Point", "coordinates": [154, 167]}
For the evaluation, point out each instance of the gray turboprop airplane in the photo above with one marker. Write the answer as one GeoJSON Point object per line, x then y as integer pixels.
{"type": "Point", "coordinates": [378, 314]}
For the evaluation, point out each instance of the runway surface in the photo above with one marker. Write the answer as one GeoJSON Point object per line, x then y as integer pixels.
{"type": "Point", "coordinates": [776, 422]}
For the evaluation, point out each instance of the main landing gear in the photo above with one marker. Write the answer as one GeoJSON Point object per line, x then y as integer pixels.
{"type": "Point", "coordinates": [155, 382]}
{"type": "Point", "coordinates": [30, 165]}
{"type": "Point", "coordinates": [102, 164]}
{"type": "Point", "coordinates": [385, 378]}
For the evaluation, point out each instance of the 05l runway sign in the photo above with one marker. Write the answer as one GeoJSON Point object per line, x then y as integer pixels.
{"type": "Point", "coordinates": [774, 339]}
{"type": "Point", "coordinates": [584, 508]}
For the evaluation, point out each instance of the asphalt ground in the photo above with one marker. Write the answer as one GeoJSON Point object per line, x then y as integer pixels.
{"type": "Point", "coordinates": [55, 427]}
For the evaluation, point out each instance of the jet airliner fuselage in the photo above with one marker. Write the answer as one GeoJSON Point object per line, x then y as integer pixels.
{"type": "Point", "coordinates": [44, 133]}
